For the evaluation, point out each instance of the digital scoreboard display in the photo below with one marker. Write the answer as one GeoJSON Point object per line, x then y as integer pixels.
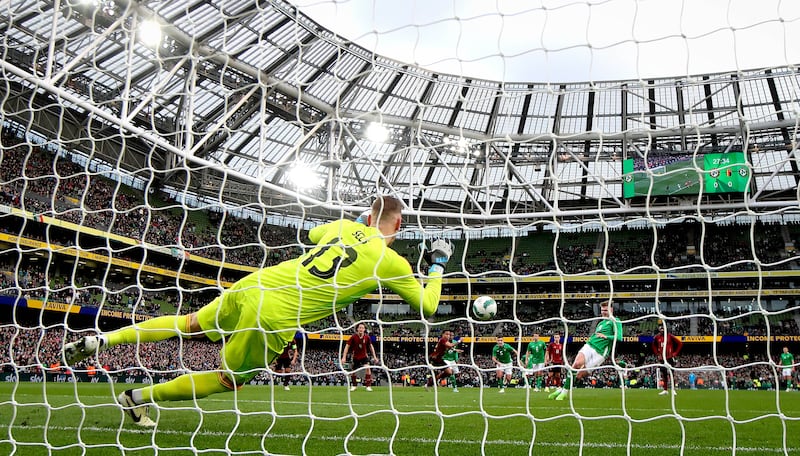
{"type": "Point", "coordinates": [686, 175]}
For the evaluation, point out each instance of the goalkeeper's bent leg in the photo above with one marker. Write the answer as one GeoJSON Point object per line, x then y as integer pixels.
{"type": "Point", "coordinates": [186, 387]}
{"type": "Point", "coordinates": [159, 328]}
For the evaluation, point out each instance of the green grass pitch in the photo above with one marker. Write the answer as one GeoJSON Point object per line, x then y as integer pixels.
{"type": "Point", "coordinates": [686, 181]}
{"type": "Point", "coordinates": [82, 419]}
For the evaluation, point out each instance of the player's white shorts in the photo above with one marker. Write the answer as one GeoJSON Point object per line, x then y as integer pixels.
{"type": "Point", "coordinates": [539, 367]}
{"type": "Point", "coordinates": [593, 359]}
{"type": "Point", "coordinates": [787, 372]}
{"type": "Point", "coordinates": [453, 365]}
{"type": "Point", "coordinates": [507, 368]}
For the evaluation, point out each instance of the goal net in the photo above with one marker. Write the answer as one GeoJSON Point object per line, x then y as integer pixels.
{"type": "Point", "coordinates": [153, 154]}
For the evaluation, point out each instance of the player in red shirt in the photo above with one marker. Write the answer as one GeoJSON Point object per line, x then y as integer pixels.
{"type": "Point", "coordinates": [554, 357]}
{"type": "Point", "coordinates": [666, 347]}
{"type": "Point", "coordinates": [436, 358]}
{"type": "Point", "coordinates": [360, 343]}
{"type": "Point", "coordinates": [286, 360]}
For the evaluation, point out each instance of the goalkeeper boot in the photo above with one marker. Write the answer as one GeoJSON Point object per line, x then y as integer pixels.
{"type": "Point", "coordinates": [138, 413]}
{"type": "Point", "coordinates": [563, 395]}
{"type": "Point", "coordinates": [554, 394]}
{"type": "Point", "coordinates": [83, 348]}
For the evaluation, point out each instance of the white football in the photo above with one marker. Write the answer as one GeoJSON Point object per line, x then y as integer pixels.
{"type": "Point", "coordinates": [484, 308]}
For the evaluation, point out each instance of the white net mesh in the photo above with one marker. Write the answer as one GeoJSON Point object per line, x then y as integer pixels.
{"type": "Point", "coordinates": [154, 153]}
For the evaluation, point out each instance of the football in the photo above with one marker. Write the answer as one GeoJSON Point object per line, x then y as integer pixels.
{"type": "Point", "coordinates": [484, 308]}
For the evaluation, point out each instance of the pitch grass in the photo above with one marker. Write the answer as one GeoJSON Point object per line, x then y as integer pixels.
{"type": "Point", "coordinates": [667, 184]}
{"type": "Point", "coordinates": [82, 419]}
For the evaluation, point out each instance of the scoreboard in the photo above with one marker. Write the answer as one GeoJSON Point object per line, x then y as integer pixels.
{"type": "Point", "coordinates": [725, 172]}
{"type": "Point", "coordinates": [686, 175]}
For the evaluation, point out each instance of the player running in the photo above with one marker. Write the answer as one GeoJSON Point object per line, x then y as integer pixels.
{"type": "Point", "coordinates": [441, 358]}
{"type": "Point", "coordinates": [555, 359]}
{"type": "Point", "coordinates": [666, 347]}
{"type": "Point", "coordinates": [450, 358]}
{"type": "Point", "coordinates": [262, 312]}
{"type": "Point", "coordinates": [361, 345]}
{"type": "Point", "coordinates": [535, 362]}
{"type": "Point", "coordinates": [286, 360]}
{"type": "Point", "coordinates": [501, 355]}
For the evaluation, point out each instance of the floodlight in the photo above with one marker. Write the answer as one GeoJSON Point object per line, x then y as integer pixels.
{"type": "Point", "coordinates": [150, 33]}
{"type": "Point", "coordinates": [377, 132]}
{"type": "Point", "coordinates": [302, 177]}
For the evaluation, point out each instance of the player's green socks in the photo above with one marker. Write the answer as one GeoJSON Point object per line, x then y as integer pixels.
{"type": "Point", "coordinates": [453, 381]}
{"type": "Point", "coordinates": [568, 381]}
{"type": "Point", "coordinates": [502, 382]}
{"type": "Point", "coordinates": [539, 382]}
{"type": "Point", "coordinates": [185, 387]}
{"type": "Point", "coordinates": [159, 328]}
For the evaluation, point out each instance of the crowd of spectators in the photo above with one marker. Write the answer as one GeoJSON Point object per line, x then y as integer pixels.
{"type": "Point", "coordinates": [655, 161]}
{"type": "Point", "coordinates": [44, 180]}
{"type": "Point", "coordinates": [37, 281]}
{"type": "Point", "coordinates": [681, 248]}
{"type": "Point", "coordinates": [38, 350]}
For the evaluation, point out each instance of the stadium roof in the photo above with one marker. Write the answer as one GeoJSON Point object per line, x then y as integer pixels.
{"type": "Point", "coordinates": [237, 94]}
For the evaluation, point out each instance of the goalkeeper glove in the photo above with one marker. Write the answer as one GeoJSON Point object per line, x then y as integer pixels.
{"type": "Point", "coordinates": [438, 255]}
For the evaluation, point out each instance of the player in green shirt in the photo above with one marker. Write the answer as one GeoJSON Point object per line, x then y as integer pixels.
{"type": "Point", "coordinates": [787, 367]}
{"type": "Point", "coordinates": [261, 312]}
{"type": "Point", "coordinates": [501, 355]}
{"type": "Point", "coordinates": [450, 358]}
{"type": "Point", "coordinates": [535, 361]}
{"type": "Point", "coordinates": [595, 351]}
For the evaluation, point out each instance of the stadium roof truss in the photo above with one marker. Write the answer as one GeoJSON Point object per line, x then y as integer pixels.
{"type": "Point", "coordinates": [237, 92]}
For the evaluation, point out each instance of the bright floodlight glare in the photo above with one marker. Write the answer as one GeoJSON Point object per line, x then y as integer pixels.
{"type": "Point", "coordinates": [302, 177]}
{"type": "Point", "coordinates": [377, 132]}
{"type": "Point", "coordinates": [150, 33]}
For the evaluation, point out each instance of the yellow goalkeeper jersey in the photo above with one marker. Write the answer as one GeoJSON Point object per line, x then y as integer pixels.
{"type": "Point", "coordinates": [349, 261]}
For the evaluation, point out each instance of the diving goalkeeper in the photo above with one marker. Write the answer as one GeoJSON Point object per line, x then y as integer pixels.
{"type": "Point", "coordinates": [261, 313]}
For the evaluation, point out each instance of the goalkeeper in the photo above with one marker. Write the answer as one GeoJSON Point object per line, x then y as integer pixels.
{"type": "Point", "coordinates": [261, 312]}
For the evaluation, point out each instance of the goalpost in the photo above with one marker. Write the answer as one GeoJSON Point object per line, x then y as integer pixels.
{"type": "Point", "coordinates": [154, 153]}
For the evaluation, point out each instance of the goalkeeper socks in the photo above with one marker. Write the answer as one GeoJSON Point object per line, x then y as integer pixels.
{"type": "Point", "coordinates": [185, 387]}
{"type": "Point", "coordinates": [159, 328]}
